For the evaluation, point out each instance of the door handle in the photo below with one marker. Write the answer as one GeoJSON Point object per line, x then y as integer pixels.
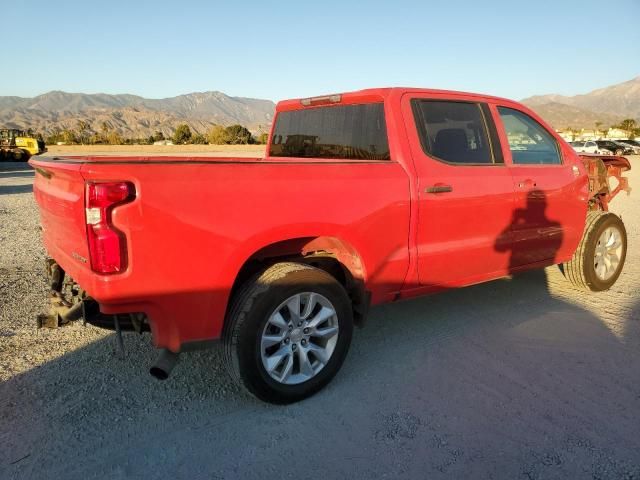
{"type": "Point", "coordinates": [528, 183]}
{"type": "Point", "coordinates": [439, 189]}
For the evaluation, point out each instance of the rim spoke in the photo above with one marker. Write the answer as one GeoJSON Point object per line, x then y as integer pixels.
{"type": "Point", "coordinates": [326, 333]}
{"type": "Point", "coordinates": [609, 235]}
{"type": "Point", "coordinates": [277, 320]}
{"type": "Point", "coordinates": [288, 368]}
{"type": "Point", "coordinates": [294, 307]}
{"type": "Point", "coordinates": [319, 352]}
{"type": "Point", "coordinates": [271, 340]}
{"type": "Point", "coordinates": [322, 316]}
{"type": "Point", "coordinates": [615, 245]}
{"type": "Point", "coordinates": [305, 365]}
{"type": "Point", "coordinates": [311, 303]}
{"type": "Point", "coordinates": [274, 360]}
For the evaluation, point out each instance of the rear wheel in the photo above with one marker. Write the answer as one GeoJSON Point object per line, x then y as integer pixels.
{"type": "Point", "coordinates": [288, 332]}
{"type": "Point", "coordinates": [599, 258]}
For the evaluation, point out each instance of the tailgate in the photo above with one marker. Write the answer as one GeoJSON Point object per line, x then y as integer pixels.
{"type": "Point", "coordinates": [59, 191]}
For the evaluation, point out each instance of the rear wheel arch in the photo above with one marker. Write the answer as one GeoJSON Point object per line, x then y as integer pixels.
{"type": "Point", "coordinates": [330, 254]}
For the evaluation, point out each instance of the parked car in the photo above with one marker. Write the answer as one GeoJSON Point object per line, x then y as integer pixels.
{"type": "Point", "coordinates": [635, 145]}
{"type": "Point", "coordinates": [614, 147]}
{"type": "Point", "coordinates": [362, 198]}
{"type": "Point", "coordinates": [590, 147]}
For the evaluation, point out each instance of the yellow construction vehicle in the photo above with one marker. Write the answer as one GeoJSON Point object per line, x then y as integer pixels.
{"type": "Point", "coordinates": [18, 145]}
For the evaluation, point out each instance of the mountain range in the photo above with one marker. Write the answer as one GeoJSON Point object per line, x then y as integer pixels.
{"type": "Point", "coordinates": [132, 115]}
{"type": "Point", "coordinates": [608, 106]}
{"type": "Point", "coordinates": [135, 116]}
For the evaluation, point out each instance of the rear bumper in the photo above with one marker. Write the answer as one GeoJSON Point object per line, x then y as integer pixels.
{"type": "Point", "coordinates": [69, 302]}
{"type": "Point", "coordinates": [178, 321]}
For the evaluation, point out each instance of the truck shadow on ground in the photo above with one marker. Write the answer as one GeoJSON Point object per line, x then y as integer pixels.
{"type": "Point", "coordinates": [451, 378]}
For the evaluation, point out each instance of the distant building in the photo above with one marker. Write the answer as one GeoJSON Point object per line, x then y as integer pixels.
{"type": "Point", "coordinates": [163, 142]}
{"type": "Point", "coordinates": [617, 134]}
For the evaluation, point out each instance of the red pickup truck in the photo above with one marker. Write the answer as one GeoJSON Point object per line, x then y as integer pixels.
{"type": "Point", "coordinates": [362, 198]}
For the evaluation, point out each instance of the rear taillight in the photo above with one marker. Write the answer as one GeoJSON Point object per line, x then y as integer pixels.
{"type": "Point", "coordinates": [107, 244]}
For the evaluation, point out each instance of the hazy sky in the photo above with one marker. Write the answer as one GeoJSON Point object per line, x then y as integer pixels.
{"type": "Point", "coordinates": [284, 49]}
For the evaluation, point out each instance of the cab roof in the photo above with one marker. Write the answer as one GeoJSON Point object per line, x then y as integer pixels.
{"type": "Point", "coordinates": [376, 95]}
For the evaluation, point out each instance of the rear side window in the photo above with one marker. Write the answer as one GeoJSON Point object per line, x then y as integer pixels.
{"type": "Point", "coordinates": [452, 131]}
{"type": "Point", "coordinates": [530, 142]}
{"type": "Point", "coordinates": [355, 132]}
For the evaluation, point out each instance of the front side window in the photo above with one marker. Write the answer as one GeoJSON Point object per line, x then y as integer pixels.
{"type": "Point", "coordinates": [454, 132]}
{"type": "Point", "coordinates": [356, 132]}
{"type": "Point", "coordinates": [530, 142]}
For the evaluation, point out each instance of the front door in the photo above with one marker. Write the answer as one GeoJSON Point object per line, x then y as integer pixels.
{"type": "Point", "coordinates": [465, 190]}
{"type": "Point", "coordinates": [547, 202]}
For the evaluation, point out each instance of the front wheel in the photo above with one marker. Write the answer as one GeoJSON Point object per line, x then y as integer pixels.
{"type": "Point", "coordinates": [599, 258]}
{"type": "Point", "coordinates": [288, 332]}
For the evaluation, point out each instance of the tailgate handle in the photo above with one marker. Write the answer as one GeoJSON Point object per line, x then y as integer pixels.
{"type": "Point", "coordinates": [439, 189]}
{"type": "Point", "coordinates": [45, 173]}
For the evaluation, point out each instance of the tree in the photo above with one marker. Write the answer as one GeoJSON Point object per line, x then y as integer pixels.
{"type": "Point", "coordinates": [182, 134]}
{"type": "Point", "coordinates": [198, 139]}
{"type": "Point", "coordinates": [82, 130]}
{"type": "Point", "coordinates": [69, 136]}
{"type": "Point", "coordinates": [237, 134]}
{"type": "Point", "coordinates": [629, 125]}
{"type": "Point", "coordinates": [598, 125]}
{"type": "Point", "coordinates": [263, 138]}
{"type": "Point", "coordinates": [217, 135]}
{"type": "Point", "coordinates": [114, 138]}
{"type": "Point", "coordinates": [105, 127]}
{"type": "Point", "coordinates": [158, 136]}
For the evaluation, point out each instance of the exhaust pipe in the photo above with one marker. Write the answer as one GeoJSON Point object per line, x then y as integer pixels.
{"type": "Point", "coordinates": [163, 365]}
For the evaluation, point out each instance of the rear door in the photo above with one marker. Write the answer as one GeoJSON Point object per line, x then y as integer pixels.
{"type": "Point", "coordinates": [465, 190]}
{"type": "Point", "coordinates": [548, 208]}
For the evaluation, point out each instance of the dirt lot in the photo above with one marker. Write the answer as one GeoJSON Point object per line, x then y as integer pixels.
{"type": "Point", "coordinates": [518, 378]}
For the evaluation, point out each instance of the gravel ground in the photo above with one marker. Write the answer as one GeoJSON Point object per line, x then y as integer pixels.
{"type": "Point", "coordinates": [517, 378]}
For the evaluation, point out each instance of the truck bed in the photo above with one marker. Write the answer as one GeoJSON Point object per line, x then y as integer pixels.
{"type": "Point", "coordinates": [196, 220]}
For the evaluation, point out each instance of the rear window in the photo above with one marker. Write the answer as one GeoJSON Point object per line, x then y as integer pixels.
{"type": "Point", "coordinates": [452, 131]}
{"type": "Point", "coordinates": [354, 132]}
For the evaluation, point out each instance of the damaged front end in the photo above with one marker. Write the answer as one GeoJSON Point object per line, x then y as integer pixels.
{"type": "Point", "coordinates": [600, 170]}
{"type": "Point", "coordinates": [69, 302]}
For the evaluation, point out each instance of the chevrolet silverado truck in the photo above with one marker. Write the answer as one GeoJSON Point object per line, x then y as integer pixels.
{"type": "Point", "coordinates": [361, 198]}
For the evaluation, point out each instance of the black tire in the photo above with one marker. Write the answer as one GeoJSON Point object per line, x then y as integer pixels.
{"type": "Point", "coordinates": [20, 155]}
{"type": "Point", "coordinates": [250, 310]}
{"type": "Point", "coordinates": [581, 270]}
